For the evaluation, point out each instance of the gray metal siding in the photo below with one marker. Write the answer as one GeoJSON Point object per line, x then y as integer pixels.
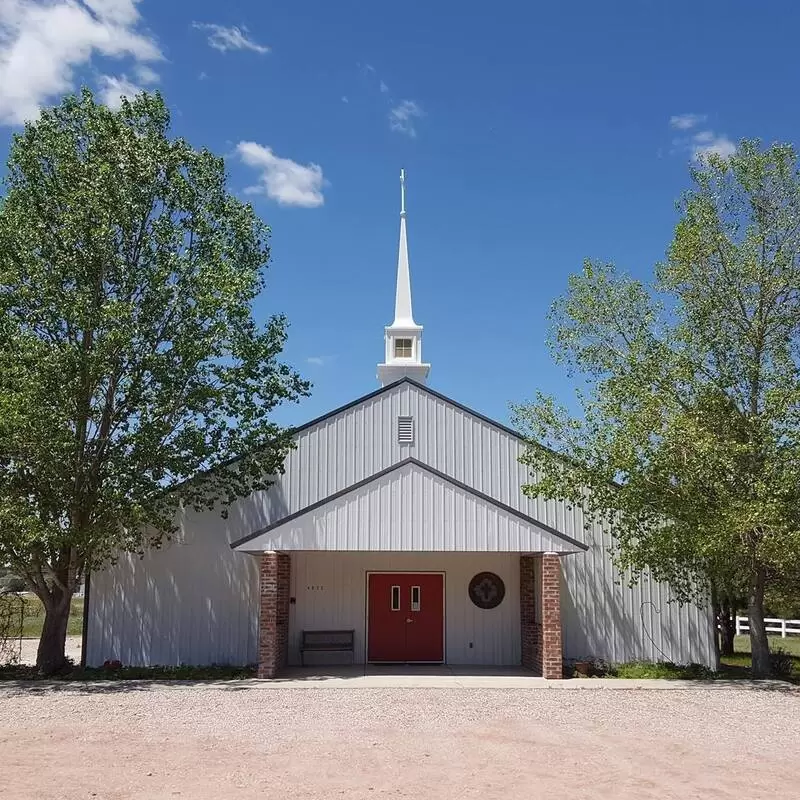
{"type": "Point", "coordinates": [191, 602]}
{"type": "Point", "coordinates": [601, 617]}
{"type": "Point", "coordinates": [411, 510]}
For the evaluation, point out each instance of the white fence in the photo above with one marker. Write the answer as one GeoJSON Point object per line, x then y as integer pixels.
{"type": "Point", "coordinates": [785, 627]}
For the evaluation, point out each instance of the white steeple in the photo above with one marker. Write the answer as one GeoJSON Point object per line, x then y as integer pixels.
{"type": "Point", "coordinates": [403, 338]}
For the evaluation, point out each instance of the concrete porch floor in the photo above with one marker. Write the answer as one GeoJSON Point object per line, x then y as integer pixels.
{"type": "Point", "coordinates": [360, 676]}
{"type": "Point", "coordinates": [410, 675]}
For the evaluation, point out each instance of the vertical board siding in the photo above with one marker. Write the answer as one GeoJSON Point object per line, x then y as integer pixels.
{"type": "Point", "coordinates": [410, 509]}
{"type": "Point", "coordinates": [190, 602]}
{"type": "Point", "coordinates": [136, 604]}
{"type": "Point", "coordinates": [330, 591]}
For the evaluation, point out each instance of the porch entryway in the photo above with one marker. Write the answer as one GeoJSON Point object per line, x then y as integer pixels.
{"type": "Point", "coordinates": [466, 609]}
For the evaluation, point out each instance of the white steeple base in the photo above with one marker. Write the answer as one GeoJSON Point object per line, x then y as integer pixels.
{"type": "Point", "coordinates": [389, 373]}
{"type": "Point", "coordinates": [403, 355]}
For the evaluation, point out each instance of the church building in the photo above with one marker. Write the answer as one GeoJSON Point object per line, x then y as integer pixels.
{"type": "Point", "coordinates": [397, 534]}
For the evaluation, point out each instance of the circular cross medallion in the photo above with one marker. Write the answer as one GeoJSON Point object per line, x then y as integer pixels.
{"type": "Point", "coordinates": [487, 590]}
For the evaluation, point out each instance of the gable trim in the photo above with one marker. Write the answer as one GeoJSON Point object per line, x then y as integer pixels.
{"type": "Point", "coordinates": [293, 431]}
{"type": "Point", "coordinates": [427, 468]}
{"type": "Point", "coordinates": [422, 387]}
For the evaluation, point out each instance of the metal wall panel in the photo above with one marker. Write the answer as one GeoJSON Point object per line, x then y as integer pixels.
{"type": "Point", "coordinates": [602, 616]}
{"type": "Point", "coordinates": [410, 509]}
{"type": "Point", "coordinates": [192, 602]}
{"type": "Point", "coordinates": [330, 592]}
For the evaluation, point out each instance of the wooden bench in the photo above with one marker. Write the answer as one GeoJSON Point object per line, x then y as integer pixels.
{"type": "Point", "coordinates": [327, 641]}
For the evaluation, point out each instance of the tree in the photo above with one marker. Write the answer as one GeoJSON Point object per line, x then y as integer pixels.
{"type": "Point", "coordinates": [782, 598]}
{"type": "Point", "coordinates": [130, 359]}
{"type": "Point", "coordinates": [688, 440]}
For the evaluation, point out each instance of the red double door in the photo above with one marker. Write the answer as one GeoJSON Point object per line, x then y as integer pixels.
{"type": "Point", "coordinates": [406, 617]}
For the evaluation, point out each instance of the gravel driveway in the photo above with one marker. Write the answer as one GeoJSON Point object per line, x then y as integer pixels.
{"type": "Point", "coordinates": [120, 741]}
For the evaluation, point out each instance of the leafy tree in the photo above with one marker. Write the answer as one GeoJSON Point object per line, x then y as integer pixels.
{"type": "Point", "coordinates": [688, 444]}
{"type": "Point", "coordinates": [782, 599]}
{"type": "Point", "coordinates": [130, 359]}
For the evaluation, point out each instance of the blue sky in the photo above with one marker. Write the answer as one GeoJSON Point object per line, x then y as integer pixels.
{"type": "Point", "coordinates": [534, 135]}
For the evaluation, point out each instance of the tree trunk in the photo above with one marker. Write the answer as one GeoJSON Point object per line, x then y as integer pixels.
{"type": "Point", "coordinates": [759, 645]}
{"type": "Point", "coordinates": [727, 627]}
{"type": "Point", "coordinates": [50, 657]}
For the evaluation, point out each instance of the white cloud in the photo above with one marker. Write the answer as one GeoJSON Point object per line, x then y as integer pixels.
{"type": "Point", "coordinates": [145, 74]}
{"type": "Point", "coordinates": [403, 116]}
{"type": "Point", "coordinates": [119, 11]}
{"type": "Point", "coordinates": [384, 88]}
{"type": "Point", "coordinates": [281, 179]}
{"type": "Point", "coordinates": [43, 42]}
{"type": "Point", "coordinates": [223, 39]}
{"type": "Point", "coordinates": [705, 143]}
{"type": "Point", "coordinates": [112, 90]}
{"type": "Point", "coordinates": [685, 122]}
{"type": "Point", "coordinates": [700, 142]}
{"type": "Point", "coordinates": [344, 99]}
{"type": "Point", "coordinates": [320, 361]}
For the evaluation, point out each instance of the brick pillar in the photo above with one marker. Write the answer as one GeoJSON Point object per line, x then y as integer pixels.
{"type": "Point", "coordinates": [531, 629]}
{"type": "Point", "coordinates": [273, 617]}
{"type": "Point", "coordinates": [551, 649]}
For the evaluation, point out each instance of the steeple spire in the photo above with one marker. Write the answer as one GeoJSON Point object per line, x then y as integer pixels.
{"type": "Point", "coordinates": [402, 301]}
{"type": "Point", "coordinates": [403, 338]}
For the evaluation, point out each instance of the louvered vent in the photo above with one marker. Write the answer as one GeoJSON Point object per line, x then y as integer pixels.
{"type": "Point", "coordinates": [405, 430]}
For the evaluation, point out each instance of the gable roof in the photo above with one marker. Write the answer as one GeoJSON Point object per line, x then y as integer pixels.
{"type": "Point", "coordinates": [352, 404]}
{"type": "Point", "coordinates": [422, 387]}
{"type": "Point", "coordinates": [314, 528]}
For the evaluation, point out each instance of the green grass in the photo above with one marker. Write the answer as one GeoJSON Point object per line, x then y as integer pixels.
{"type": "Point", "coordinates": [662, 670]}
{"type": "Point", "coordinates": [733, 667]}
{"type": "Point", "coordinates": [33, 618]}
{"type": "Point", "coordinates": [738, 665]}
{"type": "Point", "coordinates": [791, 644]}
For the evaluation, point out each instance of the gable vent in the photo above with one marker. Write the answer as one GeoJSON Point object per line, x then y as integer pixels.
{"type": "Point", "coordinates": [405, 430]}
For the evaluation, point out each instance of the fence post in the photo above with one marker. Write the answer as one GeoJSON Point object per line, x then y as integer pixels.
{"type": "Point", "coordinates": [738, 625]}
{"type": "Point", "coordinates": [783, 629]}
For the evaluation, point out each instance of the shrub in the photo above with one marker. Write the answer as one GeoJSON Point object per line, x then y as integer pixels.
{"type": "Point", "coordinates": [782, 663]}
{"type": "Point", "coordinates": [12, 583]}
{"type": "Point", "coordinates": [11, 606]}
{"type": "Point", "coordinates": [602, 669]}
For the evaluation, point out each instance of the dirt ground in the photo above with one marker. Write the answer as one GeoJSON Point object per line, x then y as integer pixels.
{"type": "Point", "coordinates": [123, 741]}
{"type": "Point", "coordinates": [30, 646]}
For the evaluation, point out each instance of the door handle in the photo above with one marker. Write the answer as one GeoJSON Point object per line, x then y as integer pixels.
{"type": "Point", "coordinates": [409, 620]}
